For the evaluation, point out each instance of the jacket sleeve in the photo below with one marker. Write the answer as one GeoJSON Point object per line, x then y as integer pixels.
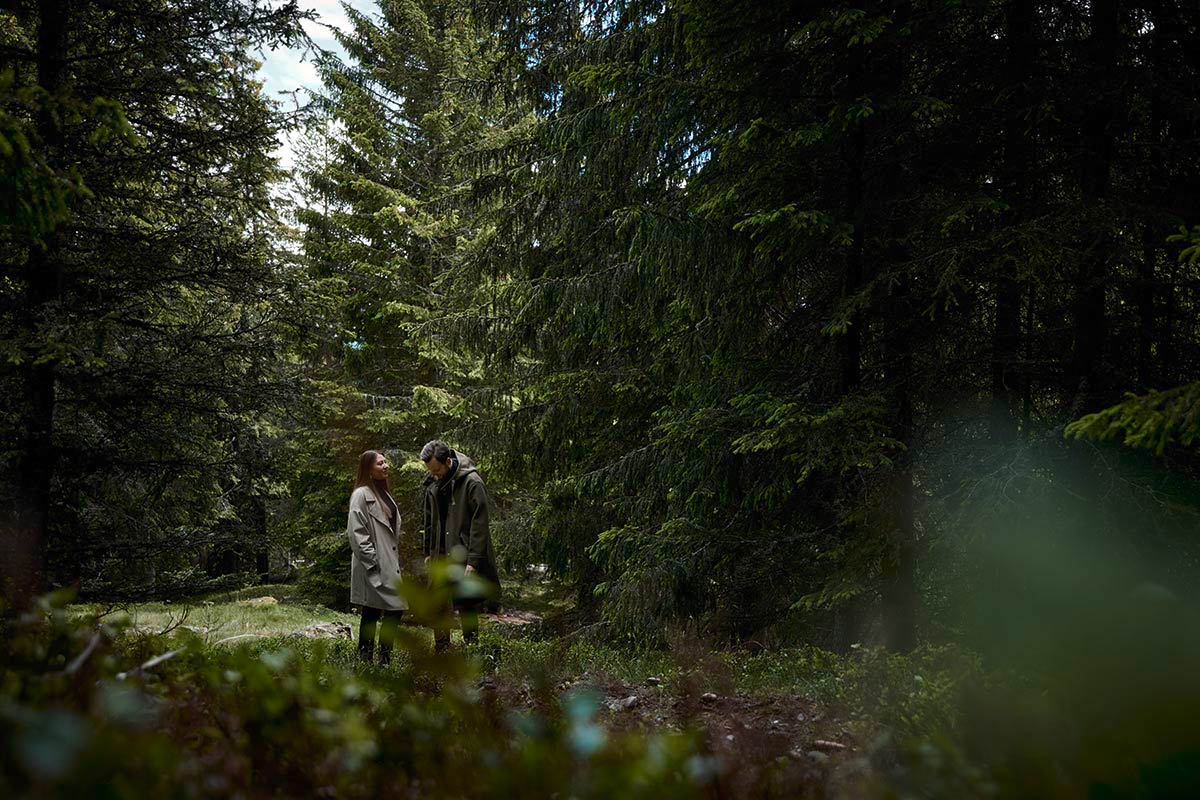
{"type": "Point", "coordinates": [427, 506]}
{"type": "Point", "coordinates": [358, 528]}
{"type": "Point", "coordinates": [477, 507]}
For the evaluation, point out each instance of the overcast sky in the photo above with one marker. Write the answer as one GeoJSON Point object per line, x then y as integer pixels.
{"type": "Point", "coordinates": [287, 71]}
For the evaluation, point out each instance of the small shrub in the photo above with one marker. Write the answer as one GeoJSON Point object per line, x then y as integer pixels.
{"type": "Point", "coordinates": [326, 579]}
{"type": "Point", "coordinates": [918, 695]}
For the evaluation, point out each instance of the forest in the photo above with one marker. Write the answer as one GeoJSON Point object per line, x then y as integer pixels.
{"type": "Point", "coordinates": [833, 368]}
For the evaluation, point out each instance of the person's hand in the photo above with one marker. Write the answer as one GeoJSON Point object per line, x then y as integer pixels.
{"type": "Point", "coordinates": [470, 570]}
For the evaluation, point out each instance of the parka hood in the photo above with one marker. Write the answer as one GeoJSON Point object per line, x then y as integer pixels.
{"type": "Point", "coordinates": [465, 467]}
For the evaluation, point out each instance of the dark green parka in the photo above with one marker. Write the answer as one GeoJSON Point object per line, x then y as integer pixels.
{"type": "Point", "coordinates": [464, 499]}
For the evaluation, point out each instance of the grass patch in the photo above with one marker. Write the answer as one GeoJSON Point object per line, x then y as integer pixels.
{"type": "Point", "coordinates": [264, 626]}
{"type": "Point", "coordinates": [546, 598]}
{"type": "Point", "coordinates": [215, 620]}
{"type": "Point", "coordinates": [809, 671]}
{"type": "Point", "coordinates": [283, 592]}
{"type": "Point", "coordinates": [915, 694]}
{"type": "Point", "coordinates": [554, 660]}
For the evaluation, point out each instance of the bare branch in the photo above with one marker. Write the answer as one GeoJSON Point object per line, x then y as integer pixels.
{"type": "Point", "coordinates": [175, 623]}
{"type": "Point", "coordinates": [154, 662]}
{"type": "Point", "coordinates": [80, 659]}
{"type": "Point", "coordinates": [239, 636]}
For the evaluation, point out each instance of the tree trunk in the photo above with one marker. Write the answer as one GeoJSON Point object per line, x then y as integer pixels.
{"type": "Point", "coordinates": [1144, 296]}
{"type": "Point", "coordinates": [899, 568]}
{"type": "Point", "coordinates": [262, 553]}
{"type": "Point", "coordinates": [1154, 232]}
{"type": "Point", "coordinates": [1088, 305]}
{"type": "Point", "coordinates": [849, 616]}
{"type": "Point", "coordinates": [850, 353]}
{"type": "Point", "coordinates": [1019, 164]}
{"type": "Point", "coordinates": [899, 327]}
{"type": "Point", "coordinates": [24, 550]}
{"type": "Point", "coordinates": [1027, 373]}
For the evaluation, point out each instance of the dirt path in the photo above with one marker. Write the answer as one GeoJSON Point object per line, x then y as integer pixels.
{"type": "Point", "coordinates": [757, 746]}
{"type": "Point", "coordinates": [761, 745]}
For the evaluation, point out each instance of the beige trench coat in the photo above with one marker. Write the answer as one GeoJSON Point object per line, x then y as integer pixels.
{"type": "Point", "coordinates": [375, 563]}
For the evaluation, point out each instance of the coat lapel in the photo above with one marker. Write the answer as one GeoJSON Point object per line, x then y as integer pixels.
{"type": "Point", "coordinates": [376, 511]}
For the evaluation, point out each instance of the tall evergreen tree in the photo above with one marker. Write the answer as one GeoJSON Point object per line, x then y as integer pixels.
{"type": "Point", "coordinates": [770, 264]}
{"type": "Point", "coordinates": [137, 315]}
{"type": "Point", "coordinates": [385, 220]}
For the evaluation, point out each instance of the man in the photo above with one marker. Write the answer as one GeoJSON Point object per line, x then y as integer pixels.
{"type": "Point", "coordinates": [457, 514]}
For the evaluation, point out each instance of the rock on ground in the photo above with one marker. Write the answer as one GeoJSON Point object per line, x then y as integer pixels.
{"type": "Point", "coordinates": [259, 601]}
{"type": "Point", "coordinates": [514, 618]}
{"type": "Point", "coordinates": [325, 630]}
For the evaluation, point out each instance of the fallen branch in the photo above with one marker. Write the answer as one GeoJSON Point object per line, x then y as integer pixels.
{"type": "Point", "coordinates": [108, 609]}
{"type": "Point", "coordinates": [79, 660]}
{"type": "Point", "coordinates": [585, 629]}
{"type": "Point", "coordinates": [74, 666]}
{"type": "Point", "coordinates": [154, 662]}
{"type": "Point", "coordinates": [239, 636]}
{"type": "Point", "coordinates": [173, 623]}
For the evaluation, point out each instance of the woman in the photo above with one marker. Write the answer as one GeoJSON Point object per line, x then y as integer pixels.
{"type": "Point", "coordinates": [373, 529]}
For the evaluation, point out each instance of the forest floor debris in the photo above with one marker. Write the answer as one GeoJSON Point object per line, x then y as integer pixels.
{"type": "Point", "coordinates": [777, 739]}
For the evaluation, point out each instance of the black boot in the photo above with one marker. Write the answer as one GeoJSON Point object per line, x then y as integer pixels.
{"type": "Point", "coordinates": [388, 633]}
{"type": "Point", "coordinates": [366, 633]}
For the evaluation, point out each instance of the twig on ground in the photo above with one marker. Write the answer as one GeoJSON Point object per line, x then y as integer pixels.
{"type": "Point", "coordinates": [239, 636]}
{"type": "Point", "coordinates": [825, 744]}
{"type": "Point", "coordinates": [108, 609]}
{"type": "Point", "coordinates": [154, 662]}
{"type": "Point", "coordinates": [80, 659]}
{"type": "Point", "coordinates": [173, 623]}
{"type": "Point", "coordinates": [578, 631]}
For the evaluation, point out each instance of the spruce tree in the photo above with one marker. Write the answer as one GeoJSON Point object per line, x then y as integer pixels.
{"type": "Point", "coordinates": [138, 311]}
{"type": "Point", "coordinates": [385, 219]}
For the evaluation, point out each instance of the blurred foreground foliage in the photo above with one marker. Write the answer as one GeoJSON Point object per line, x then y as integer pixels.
{"type": "Point", "coordinates": [295, 718]}
{"type": "Point", "coordinates": [1100, 709]}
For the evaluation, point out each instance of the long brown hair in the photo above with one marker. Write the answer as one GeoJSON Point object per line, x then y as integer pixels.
{"type": "Point", "coordinates": [365, 462]}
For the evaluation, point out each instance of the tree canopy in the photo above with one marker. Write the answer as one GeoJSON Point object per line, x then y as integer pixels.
{"type": "Point", "coordinates": [756, 315]}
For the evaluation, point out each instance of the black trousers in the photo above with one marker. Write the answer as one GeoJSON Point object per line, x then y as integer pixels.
{"type": "Point", "coordinates": [468, 615]}
{"type": "Point", "coordinates": [387, 633]}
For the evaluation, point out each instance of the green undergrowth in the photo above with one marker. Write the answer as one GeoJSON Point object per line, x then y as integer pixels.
{"type": "Point", "coordinates": [93, 709]}
{"type": "Point", "coordinates": [914, 695]}
{"type": "Point", "coordinates": [502, 653]}
{"type": "Point", "coordinates": [283, 592]}
{"type": "Point", "coordinates": [214, 619]}
{"type": "Point", "coordinates": [277, 714]}
{"type": "Point", "coordinates": [544, 597]}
